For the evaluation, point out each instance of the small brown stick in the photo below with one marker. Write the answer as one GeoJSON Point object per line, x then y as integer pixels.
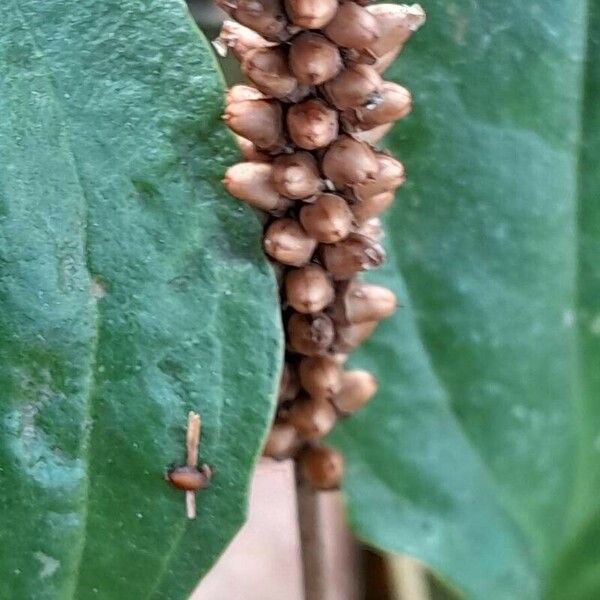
{"type": "Point", "coordinates": [192, 443]}
{"type": "Point", "coordinates": [311, 542]}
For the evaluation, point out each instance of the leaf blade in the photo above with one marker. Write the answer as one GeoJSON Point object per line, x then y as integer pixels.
{"type": "Point", "coordinates": [169, 256]}
{"type": "Point", "coordinates": [485, 235]}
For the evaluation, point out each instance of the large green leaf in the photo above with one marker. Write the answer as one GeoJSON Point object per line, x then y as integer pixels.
{"type": "Point", "coordinates": [480, 454]}
{"type": "Point", "coordinates": [131, 291]}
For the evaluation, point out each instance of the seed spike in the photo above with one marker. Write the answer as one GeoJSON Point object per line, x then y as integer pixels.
{"type": "Point", "coordinates": [306, 124]}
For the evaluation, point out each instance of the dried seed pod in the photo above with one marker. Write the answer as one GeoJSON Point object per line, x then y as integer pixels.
{"type": "Point", "coordinates": [239, 93]}
{"type": "Point", "coordinates": [313, 418]}
{"type": "Point", "coordinates": [350, 337]}
{"type": "Point", "coordinates": [268, 69]}
{"type": "Point", "coordinates": [312, 124]}
{"type": "Point", "coordinates": [189, 478]}
{"type": "Point", "coordinates": [390, 175]}
{"type": "Point", "coordinates": [396, 23]}
{"type": "Point", "coordinates": [372, 136]}
{"type": "Point", "coordinates": [328, 220]}
{"type": "Point", "coordinates": [321, 467]}
{"type": "Point", "coordinates": [396, 103]}
{"type": "Point", "coordinates": [320, 376]}
{"type": "Point", "coordinates": [309, 289]}
{"type": "Point", "coordinates": [349, 162]}
{"type": "Point", "coordinates": [266, 17]}
{"type": "Point", "coordinates": [252, 182]}
{"type": "Point", "coordinates": [371, 229]}
{"type": "Point", "coordinates": [289, 384]}
{"type": "Point", "coordinates": [354, 254]}
{"type": "Point", "coordinates": [353, 27]}
{"type": "Point", "coordinates": [239, 39]}
{"type": "Point", "coordinates": [311, 335]}
{"type": "Point", "coordinates": [288, 243]}
{"type": "Point", "coordinates": [260, 121]}
{"type": "Point", "coordinates": [355, 87]}
{"type": "Point", "coordinates": [358, 387]}
{"type": "Point", "coordinates": [311, 14]}
{"type": "Point", "coordinates": [361, 302]}
{"type": "Point", "coordinates": [314, 59]}
{"type": "Point", "coordinates": [283, 441]}
{"type": "Point", "coordinates": [250, 152]}
{"type": "Point", "coordinates": [297, 175]}
{"type": "Point", "coordinates": [371, 206]}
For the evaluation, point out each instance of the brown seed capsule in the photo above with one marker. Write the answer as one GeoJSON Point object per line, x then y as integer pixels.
{"type": "Point", "coordinates": [313, 418]}
{"type": "Point", "coordinates": [353, 27]}
{"type": "Point", "coordinates": [396, 103]}
{"type": "Point", "coordinates": [297, 175]}
{"type": "Point", "coordinates": [252, 182]}
{"type": "Point", "coordinates": [349, 162]}
{"type": "Point", "coordinates": [358, 387]}
{"type": "Point", "coordinates": [239, 93]}
{"type": "Point", "coordinates": [354, 254]}
{"type": "Point", "coordinates": [320, 376]}
{"type": "Point", "coordinates": [312, 124]}
{"type": "Point", "coordinates": [311, 14]}
{"type": "Point", "coordinates": [282, 442]}
{"type": "Point", "coordinates": [314, 59]}
{"type": "Point", "coordinates": [396, 22]}
{"type": "Point", "coordinates": [322, 468]}
{"type": "Point", "coordinates": [288, 243]}
{"type": "Point", "coordinates": [390, 174]}
{"type": "Point", "coordinates": [250, 152]}
{"type": "Point", "coordinates": [311, 335]}
{"type": "Point", "coordinates": [350, 337]}
{"type": "Point", "coordinates": [328, 220]}
{"type": "Point", "coordinates": [266, 17]}
{"type": "Point", "coordinates": [362, 302]}
{"type": "Point", "coordinates": [260, 121]}
{"type": "Point", "coordinates": [365, 210]}
{"type": "Point", "coordinates": [372, 136]}
{"type": "Point", "coordinates": [268, 69]}
{"type": "Point", "coordinates": [289, 384]}
{"type": "Point", "coordinates": [309, 289]}
{"type": "Point", "coordinates": [355, 87]}
{"type": "Point", "coordinates": [189, 478]}
{"type": "Point", "coordinates": [239, 39]}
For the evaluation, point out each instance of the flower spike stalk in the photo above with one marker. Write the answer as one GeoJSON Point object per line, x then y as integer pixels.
{"type": "Point", "coordinates": [314, 105]}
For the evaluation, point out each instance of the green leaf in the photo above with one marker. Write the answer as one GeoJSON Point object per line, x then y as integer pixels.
{"type": "Point", "coordinates": [131, 291]}
{"type": "Point", "coordinates": [480, 454]}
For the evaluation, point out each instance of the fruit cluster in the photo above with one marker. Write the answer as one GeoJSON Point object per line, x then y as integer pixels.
{"type": "Point", "coordinates": [306, 123]}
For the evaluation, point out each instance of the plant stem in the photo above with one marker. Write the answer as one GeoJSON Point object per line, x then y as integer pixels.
{"type": "Point", "coordinates": [311, 542]}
